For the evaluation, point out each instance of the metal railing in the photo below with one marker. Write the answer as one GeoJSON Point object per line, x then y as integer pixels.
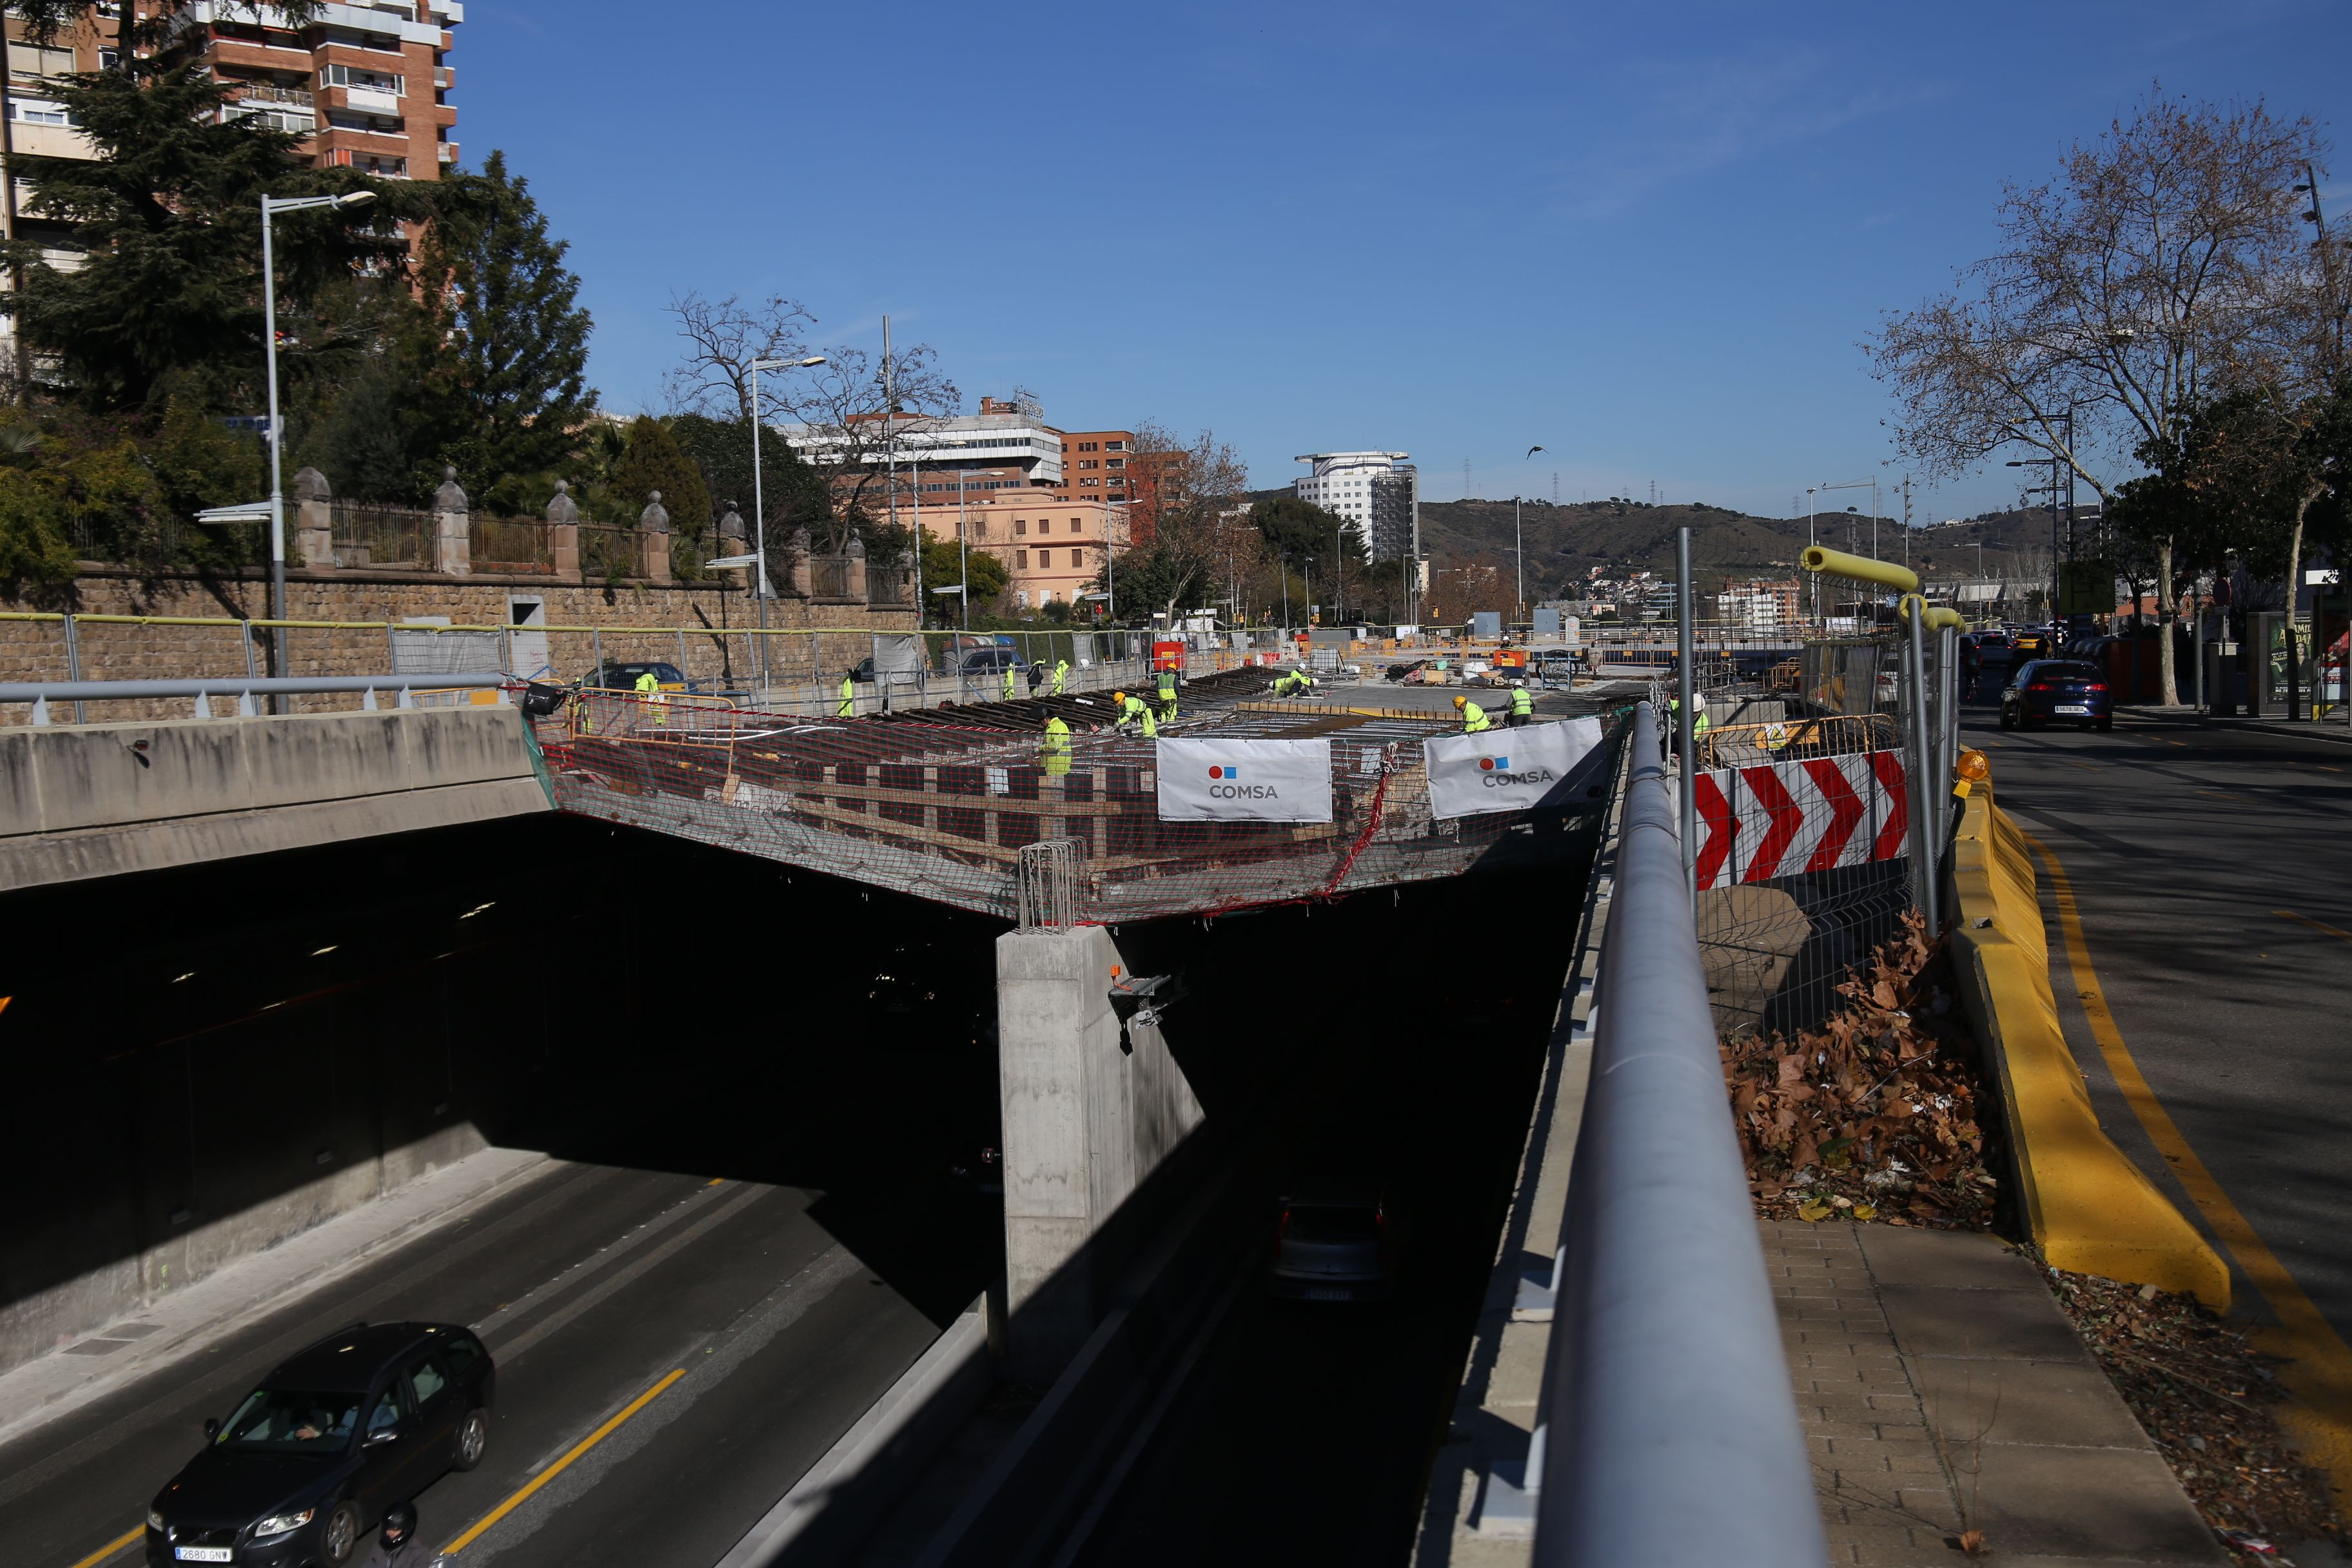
{"type": "Point", "coordinates": [365, 534]}
{"type": "Point", "coordinates": [244, 690]}
{"type": "Point", "coordinates": [509, 542]}
{"type": "Point", "coordinates": [1668, 1422]}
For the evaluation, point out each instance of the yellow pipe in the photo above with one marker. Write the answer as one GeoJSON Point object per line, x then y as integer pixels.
{"type": "Point", "coordinates": [1859, 568]}
{"type": "Point", "coordinates": [1933, 617]}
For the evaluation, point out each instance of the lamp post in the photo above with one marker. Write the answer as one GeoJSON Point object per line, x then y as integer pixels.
{"type": "Point", "coordinates": [758, 494]}
{"type": "Point", "coordinates": [1810, 491]}
{"type": "Point", "coordinates": [270, 207]}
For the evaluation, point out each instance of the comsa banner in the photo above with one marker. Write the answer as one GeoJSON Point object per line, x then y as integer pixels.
{"type": "Point", "coordinates": [1245, 781]}
{"type": "Point", "coordinates": [1506, 770]}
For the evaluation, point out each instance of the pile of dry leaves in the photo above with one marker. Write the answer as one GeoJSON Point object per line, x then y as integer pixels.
{"type": "Point", "coordinates": [1874, 1115]}
{"type": "Point", "coordinates": [2205, 1396]}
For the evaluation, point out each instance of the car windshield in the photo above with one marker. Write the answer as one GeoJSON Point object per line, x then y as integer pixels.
{"type": "Point", "coordinates": [1330, 1222]}
{"type": "Point", "coordinates": [291, 1421]}
{"type": "Point", "coordinates": [2065, 672]}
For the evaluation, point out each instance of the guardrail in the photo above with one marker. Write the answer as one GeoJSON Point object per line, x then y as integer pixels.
{"type": "Point", "coordinates": [244, 689]}
{"type": "Point", "coordinates": [1669, 1421]}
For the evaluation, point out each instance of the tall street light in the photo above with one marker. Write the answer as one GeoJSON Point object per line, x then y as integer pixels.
{"type": "Point", "coordinates": [1811, 491]}
{"type": "Point", "coordinates": [270, 207]}
{"type": "Point", "coordinates": [758, 494]}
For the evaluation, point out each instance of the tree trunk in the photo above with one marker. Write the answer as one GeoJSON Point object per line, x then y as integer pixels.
{"type": "Point", "coordinates": [20, 373]}
{"type": "Point", "coordinates": [2293, 592]}
{"type": "Point", "coordinates": [2168, 608]}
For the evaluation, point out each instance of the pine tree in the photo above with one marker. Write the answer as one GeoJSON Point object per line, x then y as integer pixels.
{"type": "Point", "coordinates": [654, 461]}
{"type": "Point", "coordinates": [509, 355]}
{"type": "Point", "coordinates": [169, 216]}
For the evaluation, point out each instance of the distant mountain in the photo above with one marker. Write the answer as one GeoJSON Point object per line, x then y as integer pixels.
{"type": "Point", "coordinates": [1564, 544]}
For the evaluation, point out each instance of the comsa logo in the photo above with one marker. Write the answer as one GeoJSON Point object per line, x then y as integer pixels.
{"type": "Point", "coordinates": [1495, 772]}
{"type": "Point", "coordinates": [1222, 787]}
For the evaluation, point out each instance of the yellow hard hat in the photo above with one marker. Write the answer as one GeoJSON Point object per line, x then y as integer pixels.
{"type": "Point", "coordinates": [1459, 701]}
{"type": "Point", "coordinates": [1119, 697]}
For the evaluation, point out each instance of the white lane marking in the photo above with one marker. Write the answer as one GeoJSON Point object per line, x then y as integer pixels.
{"type": "Point", "coordinates": [609, 1253]}
{"type": "Point", "coordinates": [647, 1259]}
{"type": "Point", "coordinates": [709, 1362]}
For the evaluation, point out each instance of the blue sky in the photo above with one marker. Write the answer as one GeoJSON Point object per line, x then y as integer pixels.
{"type": "Point", "coordinates": [1645, 238]}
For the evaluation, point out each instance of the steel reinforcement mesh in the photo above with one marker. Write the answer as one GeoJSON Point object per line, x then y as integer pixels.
{"type": "Point", "coordinates": [939, 802]}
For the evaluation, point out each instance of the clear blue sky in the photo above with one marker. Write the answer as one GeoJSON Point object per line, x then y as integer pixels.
{"type": "Point", "coordinates": [1646, 239]}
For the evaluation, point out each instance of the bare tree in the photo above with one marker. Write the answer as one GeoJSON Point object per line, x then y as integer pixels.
{"type": "Point", "coordinates": [1189, 518]}
{"type": "Point", "coordinates": [722, 337]}
{"type": "Point", "coordinates": [842, 407]}
{"type": "Point", "coordinates": [2161, 266]}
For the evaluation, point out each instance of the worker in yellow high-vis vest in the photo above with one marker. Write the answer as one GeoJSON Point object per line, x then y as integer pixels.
{"type": "Point", "coordinates": [1473, 718]}
{"type": "Point", "coordinates": [848, 709]}
{"type": "Point", "coordinates": [1053, 748]}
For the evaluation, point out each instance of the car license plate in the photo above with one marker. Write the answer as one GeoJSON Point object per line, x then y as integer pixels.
{"type": "Point", "coordinates": [1321, 1295]}
{"type": "Point", "coordinates": [203, 1554]}
{"type": "Point", "coordinates": [2073, 708]}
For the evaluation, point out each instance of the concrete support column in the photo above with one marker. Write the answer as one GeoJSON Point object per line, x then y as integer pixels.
{"type": "Point", "coordinates": [1084, 1123]}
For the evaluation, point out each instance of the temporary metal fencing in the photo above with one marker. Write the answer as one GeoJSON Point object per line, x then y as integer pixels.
{"type": "Point", "coordinates": [1668, 1422]}
{"type": "Point", "coordinates": [444, 691]}
{"type": "Point", "coordinates": [945, 803]}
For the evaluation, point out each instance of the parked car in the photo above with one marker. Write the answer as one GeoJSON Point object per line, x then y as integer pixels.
{"type": "Point", "coordinates": [984, 661]}
{"type": "Point", "coordinates": [1334, 1248]}
{"type": "Point", "coordinates": [2030, 642]}
{"type": "Point", "coordinates": [613, 676]}
{"type": "Point", "coordinates": [307, 1463]}
{"type": "Point", "coordinates": [2057, 690]}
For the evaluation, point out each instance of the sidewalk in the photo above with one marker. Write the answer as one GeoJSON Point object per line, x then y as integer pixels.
{"type": "Point", "coordinates": [1942, 1391]}
{"type": "Point", "coordinates": [2331, 729]}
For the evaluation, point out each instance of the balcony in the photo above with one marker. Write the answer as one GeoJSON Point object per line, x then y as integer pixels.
{"type": "Point", "coordinates": [448, 152]}
{"type": "Point", "coordinates": [445, 76]}
{"type": "Point", "coordinates": [371, 101]}
{"type": "Point", "coordinates": [262, 93]}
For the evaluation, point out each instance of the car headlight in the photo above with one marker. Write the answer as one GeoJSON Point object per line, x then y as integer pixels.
{"type": "Point", "coordinates": [279, 1523]}
{"type": "Point", "coordinates": [154, 1518]}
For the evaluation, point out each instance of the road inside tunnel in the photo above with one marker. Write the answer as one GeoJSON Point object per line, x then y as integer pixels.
{"type": "Point", "coordinates": [767, 1092]}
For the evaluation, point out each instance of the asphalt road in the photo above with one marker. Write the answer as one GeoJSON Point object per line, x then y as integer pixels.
{"type": "Point", "coordinates": [591, 1285]}
{"type": "Point", "coordinates": [2208, 861]}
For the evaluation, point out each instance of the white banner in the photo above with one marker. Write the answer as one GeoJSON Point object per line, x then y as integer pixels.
{"type": "Point", "coordinates": [1245, 781]}
{"type": "Point", "coordinates": [1505, 769]}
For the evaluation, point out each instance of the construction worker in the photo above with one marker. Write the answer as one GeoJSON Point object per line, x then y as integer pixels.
{"type": "Point", "coordinates": [1523, 705]}
{"type": "Point", "coordinates": [1037, 679]}
{"type": "Point", "coordinates": [848, 708]}
{"type": "Point", "coordinates": [1061, 674]}
{"type": "Point", "coordinates": [1134, 711]}
{"type": "Point", "coordinates": [1700, 724]}
{"type": "Point", "coordinates": [1166, 696]}
{"type": "Point", "coordinates": [1053, 748]}
{"type": "Point", "coordinates": [649, 691]}
{"type": "Point", "coordinates": [1011, 691]}
{"type": "Point", "coordinates": [1473, 718]}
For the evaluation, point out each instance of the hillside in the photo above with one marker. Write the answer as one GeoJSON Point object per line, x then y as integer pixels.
{"type": "Point", "coordinates": [1564, 544]}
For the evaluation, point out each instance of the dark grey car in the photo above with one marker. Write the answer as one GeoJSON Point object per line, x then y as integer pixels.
{"type": "Point", "coordinates": [1334, 1248]}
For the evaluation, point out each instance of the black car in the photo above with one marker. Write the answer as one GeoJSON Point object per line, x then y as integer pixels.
{"type": "Point", "coordinates": [309, 1462]}
{"type": "Point", "coordinates": [613, 676]}
{"type": "Point", "coordinates": [2058, 690]}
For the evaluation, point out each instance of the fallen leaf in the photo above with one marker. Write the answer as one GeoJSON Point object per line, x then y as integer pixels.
{"type": "Point", "coordinates": [1813, 1209]}
{"type": "Point", "coordinates": [1865, 1211]}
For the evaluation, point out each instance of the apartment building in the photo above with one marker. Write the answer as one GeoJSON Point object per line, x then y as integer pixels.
{"type": "Point", "coordinates": [366, 85]}
{"type": "Point", "coordinates": [1053, 547]}
{"type": "Point", "coordinates": [1094, 465]}
{"type": "Point", "coordinates": [1378, 492]}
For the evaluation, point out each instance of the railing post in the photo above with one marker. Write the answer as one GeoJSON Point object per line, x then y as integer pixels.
{"type": "Point", "coordinates": [563, 534]}
{"type": "Point", "coordinates": [314, 531]}
{"type": "Point", "coordinates": [653, 539]}
{"type": "Point", "coordinates": [453, 527]}
{"type": "Point", "coordinates": [1921, 763]}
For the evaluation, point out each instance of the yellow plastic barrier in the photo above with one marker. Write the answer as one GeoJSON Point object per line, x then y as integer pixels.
{"type": "Point", "coordinates": [2088, 1206]}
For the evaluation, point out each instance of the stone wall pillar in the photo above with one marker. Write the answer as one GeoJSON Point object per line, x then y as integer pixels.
{"type": "Point", "coordinates": [653, 539]}
{"type": "Point", "coordinates": [801, 580]}
{"type": "Point", "coordinates": [1086, 1119]}
{"type": "Point", "coordinates": [314, 525]}
{"type": "Point", "coordinates": [453, 527]}
{"type": "Point", "coordinates": [855, 555]}
{"type": "Point", "coordinates": [563, 533]}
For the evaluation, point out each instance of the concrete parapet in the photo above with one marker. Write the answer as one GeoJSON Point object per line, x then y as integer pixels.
{"type": "Point", "coordinates": [95, 800]}
{"type": "Point", "coordinates": [2089, 1207]}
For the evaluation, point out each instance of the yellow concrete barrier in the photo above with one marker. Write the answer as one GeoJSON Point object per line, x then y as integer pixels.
{"type": "Point", "coordinates": [2090, 1208]}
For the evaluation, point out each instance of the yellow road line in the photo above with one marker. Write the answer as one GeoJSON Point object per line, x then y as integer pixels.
{"type": "Point", "coordinates": [557, 1468]}
{"type": "Point", "coordinates": [2319, 1371]}
{"type": "Point", "coordinates": [2316, 925]}
{"type": "Point", "coordinates": [114, 1546]}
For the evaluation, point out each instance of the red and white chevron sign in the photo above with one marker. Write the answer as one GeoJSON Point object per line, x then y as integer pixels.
{"type": "Point", "coordinates": [1777, 819]}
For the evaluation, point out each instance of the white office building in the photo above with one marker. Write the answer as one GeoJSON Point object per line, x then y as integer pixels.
{"type": "Point", "coordinates": [1378, 492]}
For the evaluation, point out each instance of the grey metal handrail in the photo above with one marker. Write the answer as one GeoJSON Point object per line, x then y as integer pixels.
{"type": "Point", "coordinates": [1672, 1421]}
{"type": "Point", "coordinates": [235, 686]}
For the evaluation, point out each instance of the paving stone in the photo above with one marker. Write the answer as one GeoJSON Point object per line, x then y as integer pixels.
{"type": "Point", "coordinates": [1939, 1321]}
{"type": "Point", "coordinates": [2068, 1403]}
{"type": "Point", "coordinates": [1950, 1258]}
{"type": "Point", "coordinates": [2031, 1498]}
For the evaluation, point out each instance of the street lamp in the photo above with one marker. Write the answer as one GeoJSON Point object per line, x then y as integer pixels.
{"type": "Point", "coordinates": [759, 496]}
{"type": "Point", "coordinates": [270, 207]}
{"type": "Point", "coordinates": [1810, 491]}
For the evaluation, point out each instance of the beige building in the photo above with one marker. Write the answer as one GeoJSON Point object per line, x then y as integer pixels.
{"type": "Point", "coordinates": [1053, 547]}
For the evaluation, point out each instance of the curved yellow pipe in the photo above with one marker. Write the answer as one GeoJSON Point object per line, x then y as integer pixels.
{"type": "Point", "coordinates": [1859, 568]}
